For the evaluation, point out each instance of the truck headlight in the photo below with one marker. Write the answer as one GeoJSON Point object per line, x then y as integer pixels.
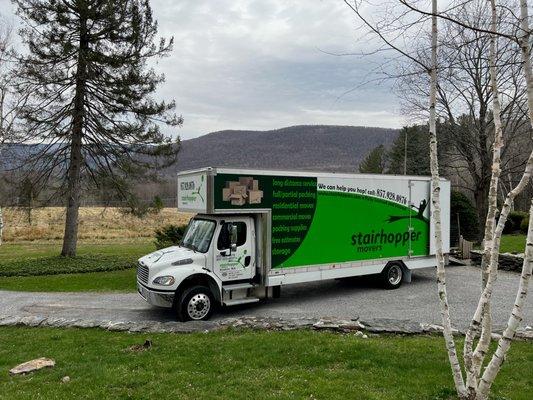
{"type": "Point", "coordinates": [164, 280]}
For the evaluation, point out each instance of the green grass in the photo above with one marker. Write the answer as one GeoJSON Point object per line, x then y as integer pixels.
{"type": "Point", "coordinates": [513, 243]}
{"type": "Point", "coordinates": [113, 281]}
{"type": "Point", "coordinates": [31, 259]}
{"type": "Point", "coordinates": [99, 267]}
{"type": "Point", "coordinates": [240, 365]}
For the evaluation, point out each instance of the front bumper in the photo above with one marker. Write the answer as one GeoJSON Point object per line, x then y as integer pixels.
{"type": "Point", "coordinates": [158, 298]}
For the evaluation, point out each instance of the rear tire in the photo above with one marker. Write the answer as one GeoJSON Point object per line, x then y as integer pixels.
{"type": "Point", "coordinates": [195, 304]}
{"type": "Point", "coordinates": [392, 276]}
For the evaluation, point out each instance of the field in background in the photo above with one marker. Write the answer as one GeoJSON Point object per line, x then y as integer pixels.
{"type": "Point", "coordinates": [96, 223]}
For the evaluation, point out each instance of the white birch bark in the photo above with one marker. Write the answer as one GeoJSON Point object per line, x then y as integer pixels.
{"type": "Point", "coordinates": [474, 359]}
{"type": "Point", "coordinates": [486, 381]}
{"type": "Point", "coordinates": [493, 267]}
{"type": "Point", "coordinates": [514, 319]}
{"type": "Point", "coordinates": [436, 214]}
{"type": "Point", "coordinates": [516, 315]}
{"type": "Point", "coordinates": [1, 225]}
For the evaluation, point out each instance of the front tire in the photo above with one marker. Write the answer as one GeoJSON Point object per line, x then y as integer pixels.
{"type": "Point", "coordinates": [195, 304]}
{"type": "Point", "coordinates": [392, 276]}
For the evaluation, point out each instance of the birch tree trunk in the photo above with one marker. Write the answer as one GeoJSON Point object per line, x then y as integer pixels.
{"type": "Point", "coordinates": [516, 315]}
{"type": "Point", "coordinates": [474, 359]}
{"type": "Point", "coordinates": [436, 213]}
{"type": "Point", "coordinates": [488, 377]}
{"type": "Point", "coordinates": [1, 225]}
{"type": "Point", "coordinates": [514, 320]}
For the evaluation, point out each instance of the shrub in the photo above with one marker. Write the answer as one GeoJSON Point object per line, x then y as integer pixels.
{"type": "Point", "coordinates": [468, 221]}
{"type": "Point", "coordinates": [169, 235]}
{"type": "Point", "coordinates": [524, 225]}
{"type": "Point", "coordinates": [157, 205]}
{"type": "Point", "coordinates": [514, 221]}
{"type": "Point", "coordinates": [135, 207]}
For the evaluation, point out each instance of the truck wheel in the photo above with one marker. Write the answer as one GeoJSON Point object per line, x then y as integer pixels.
{"type": "Point", "coordinates": [196, 303]}
{"type": "Point", "coordinates": [392, 276]}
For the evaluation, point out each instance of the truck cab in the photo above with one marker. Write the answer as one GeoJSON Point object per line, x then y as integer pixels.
{"type": "Point", "coordinates": [215, 263]}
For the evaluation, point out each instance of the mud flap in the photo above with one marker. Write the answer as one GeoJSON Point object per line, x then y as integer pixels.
{"type": "Point", "coordinates": [407, 275]}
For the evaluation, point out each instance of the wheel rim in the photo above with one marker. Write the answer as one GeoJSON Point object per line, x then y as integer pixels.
{"type": "Point", "coordinates": [395, 275]}
{"type": "Point", "coordinates": [199, 306]}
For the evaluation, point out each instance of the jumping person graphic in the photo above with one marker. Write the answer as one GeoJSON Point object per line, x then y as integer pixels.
{"type": "Point", "coordinates": [419, 215]}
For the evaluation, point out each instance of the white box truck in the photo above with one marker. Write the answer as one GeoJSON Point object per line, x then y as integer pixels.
{"type": "Point", "coordinates": [257, 230]}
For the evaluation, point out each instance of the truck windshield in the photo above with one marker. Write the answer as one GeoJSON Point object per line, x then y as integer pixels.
{"type": "Point", "coordinates": [198, 235]}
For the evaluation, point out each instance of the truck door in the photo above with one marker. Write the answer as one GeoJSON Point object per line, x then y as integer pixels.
{"type": "Point", "coordinates": [419, 227]}
{"type": "Point", "coordinates": [238, 262]}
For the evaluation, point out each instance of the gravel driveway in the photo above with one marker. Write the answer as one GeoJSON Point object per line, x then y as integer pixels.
{"type": "Point", "coordinates": [416, 301]}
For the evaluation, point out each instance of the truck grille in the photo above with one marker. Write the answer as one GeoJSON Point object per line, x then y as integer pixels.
{"type": "Point", "coordinates": [142, 273]}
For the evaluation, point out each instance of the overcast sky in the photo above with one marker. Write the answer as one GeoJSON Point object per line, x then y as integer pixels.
{"type": "Point", "coordinates": [262, 64]}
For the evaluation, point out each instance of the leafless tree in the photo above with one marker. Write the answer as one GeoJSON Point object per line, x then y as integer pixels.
{"type": "Point", "coordinates": [464, 100]}
{"type": "Point", "coordinates": [473, 384]}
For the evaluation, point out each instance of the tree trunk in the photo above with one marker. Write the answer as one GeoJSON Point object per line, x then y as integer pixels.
{"type": "Point", "coordinates": [515, 318]}
{"type": "Point", "coordinates": [70, 239]}
{"type": "Point", "coordinates": [1, 225]}
{"type": "Point", "coordinates": [436, 210]}
{"type": "Point", "coordinates": [474, 360]}
{"type": "Point", "coordinates": [481, 192]}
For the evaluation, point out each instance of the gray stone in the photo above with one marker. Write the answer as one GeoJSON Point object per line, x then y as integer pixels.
{"type": "Point", "coordinates": [59, 322]}
{"type": "Point", "coordinates": [86, 323]}
{"type": "Point", "coordinates": [431, 328]}
{"type": "Point", "coordinates": [32, 320]}
{"type": "Point", "coordinates": [33, 365]}
{"type": "Point", "coordinates": [337, 325]}
{"type": "Point", "coordinates": [10, 321]}
{"type": "Point", "coordinates": [524, 334]}
{"type": "Point", "coordinates": [506, 261]}
{"type": "Point", "coordinates": [385, 325]}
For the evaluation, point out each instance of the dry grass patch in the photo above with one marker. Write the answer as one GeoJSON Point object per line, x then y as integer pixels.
{"type": "Point", "coordinates": [95, 223]}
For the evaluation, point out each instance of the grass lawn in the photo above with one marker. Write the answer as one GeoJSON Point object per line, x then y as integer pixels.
{"type": "Point", "coordinates": [42, 258]}
{"type": "Point", "coordinates": [113, 281]}
{"type": "Point", "coordinates": [241, 365]}
{"type": "Point", "coordinates": [36, 266]}
{"type": "Point", "coordinates": [513, 243]}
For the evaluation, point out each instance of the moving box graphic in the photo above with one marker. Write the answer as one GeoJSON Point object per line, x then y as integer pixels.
{"type": "Point", "coordinates": [241, 192]}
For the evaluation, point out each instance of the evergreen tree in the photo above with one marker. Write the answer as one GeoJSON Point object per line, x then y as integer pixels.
{"type": "Point", "coordinates": [374, 162]}
{"type": "Point", "coordinates": [417, 162]}
{"type": "Point", "coordinates": [92, 106]}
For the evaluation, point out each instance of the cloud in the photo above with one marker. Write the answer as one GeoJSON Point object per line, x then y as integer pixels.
{"type": "Point", "coordinates": [261, 64]}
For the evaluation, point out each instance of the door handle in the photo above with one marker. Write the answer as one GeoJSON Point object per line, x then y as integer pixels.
{"type": "Point", "coordinates": [247, 260]}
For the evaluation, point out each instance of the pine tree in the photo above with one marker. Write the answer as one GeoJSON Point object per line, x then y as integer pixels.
{"type": "Point", "coordinates": [374, 162]}
{"type": "Point", "coordinates": [92, 108]}
{"type": "Point", "coordinates": [417, 162]}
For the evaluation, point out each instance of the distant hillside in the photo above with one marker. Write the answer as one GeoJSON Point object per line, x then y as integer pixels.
{"type": "Point", "coordinates": [312, 147]}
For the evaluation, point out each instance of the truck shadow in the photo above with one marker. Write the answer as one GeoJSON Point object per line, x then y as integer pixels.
{"type": "Point", "coordinates": [307, 294]}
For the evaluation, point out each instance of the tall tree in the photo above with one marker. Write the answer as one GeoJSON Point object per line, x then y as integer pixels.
{"type": "Point", "coordinates": [410, 150]}
{"type": "Point", "coordinates": [464, 100]}
{"type": "Point", "coordinates": [374, 162]}
{"type": "Point", "coordinates": [391, 29]}
{"type": "Point", "coordinates": [92, 109]}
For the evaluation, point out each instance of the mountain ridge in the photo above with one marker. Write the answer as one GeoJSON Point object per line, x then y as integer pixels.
{"type": "Point", "coordinates": [336, 148]}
